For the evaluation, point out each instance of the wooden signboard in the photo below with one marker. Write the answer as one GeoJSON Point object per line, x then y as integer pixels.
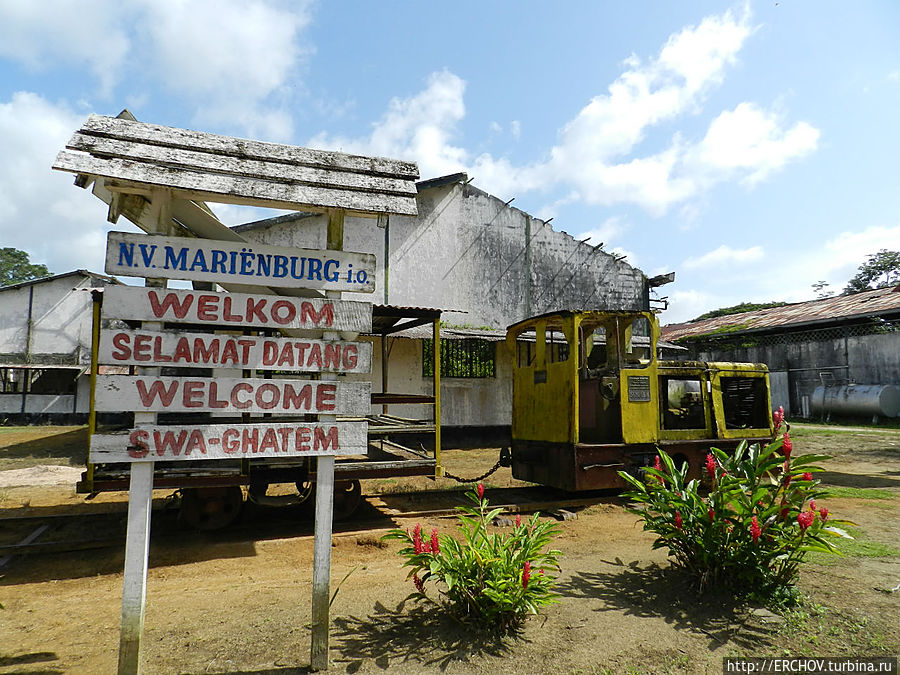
{"type": "Point", "coordinates": [179, 442]}
{"type": "Point", "coordinates": [236, 309]}
{"type": "Point", "coordinates": [141, 393]}
{"type": "Point", "coordinates": [192, 259]}
{"type": "Point", "coordinates": [203, 350]}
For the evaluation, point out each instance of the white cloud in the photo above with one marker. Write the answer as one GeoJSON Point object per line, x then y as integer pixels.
{"type": "Point", "coordinates": [38, 34]}
{"type": "Point", "coordinates": [515, 129]}
{"type": "Point", "coordinates": [419, 128]}
{"type": "Point", "coordinates": [752, 142]}
{"type": "Point", "coordinates": [608, 231]}
{"type": "Point", "coordinates": [232, 60]}
{"type": "Point", "coordinates": [725, 255]}
{"type": "Point", "coordinates": [684, 305]}
{"type": "Point", "coordinates": [41, 212]}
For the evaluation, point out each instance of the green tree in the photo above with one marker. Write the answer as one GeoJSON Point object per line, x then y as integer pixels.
{"type": "Point", "coordinates": [16, 268]}
{"type": "Point", "coordinates": [738, 309]}
{"type": "Point", "coordinates": [880, 270]}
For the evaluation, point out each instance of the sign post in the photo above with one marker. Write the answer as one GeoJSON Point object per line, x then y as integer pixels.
{"type": "Point", "coordinates": [259, 436]}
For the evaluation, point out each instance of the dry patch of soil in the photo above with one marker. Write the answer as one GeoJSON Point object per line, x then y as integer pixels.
{"type": "Point", "coordinates": [221, 605]}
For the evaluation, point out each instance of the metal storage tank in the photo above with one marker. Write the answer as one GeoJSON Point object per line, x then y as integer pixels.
{"type": "Point", "coordinates": [861, 400]}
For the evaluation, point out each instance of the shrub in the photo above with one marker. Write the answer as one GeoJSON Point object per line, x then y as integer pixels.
{"type": "Point", "coordinates": [752, 530]}
{"type": "Point", "coordinates": [495, 579]}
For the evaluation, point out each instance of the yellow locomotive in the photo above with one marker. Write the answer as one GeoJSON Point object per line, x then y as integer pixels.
{"type": "Point", "coordinates": [591, 398]}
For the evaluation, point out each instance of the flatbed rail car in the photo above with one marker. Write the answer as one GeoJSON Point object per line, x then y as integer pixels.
{"type": "Point", "coordinates": [212, 494]}
{"type": "Point", "coordinates": [591, 398]}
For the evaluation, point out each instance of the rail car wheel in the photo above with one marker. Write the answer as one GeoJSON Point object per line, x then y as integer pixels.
{"type": "Point", "coordinates": [305, 491]}
{"type": "Point", "coordinates": [347, 498]}
{"type": "Point", "coordinates": [211, 508]}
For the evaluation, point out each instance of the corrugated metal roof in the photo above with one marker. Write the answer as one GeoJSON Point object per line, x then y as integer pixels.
{"type": "Point", "coordinates": [42, 280]}
{"type": "Point", "coordinates": [841, 309]}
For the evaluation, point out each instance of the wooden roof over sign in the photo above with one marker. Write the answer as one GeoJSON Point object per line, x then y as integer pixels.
{"type": "Point", "coordinates": [199, 166]}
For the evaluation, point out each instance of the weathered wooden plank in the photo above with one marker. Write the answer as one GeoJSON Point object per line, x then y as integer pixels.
{"type": "Point", "coordinates": [239, 147]}
{"type": "Point", "coordinates": [139, 393]}
{"type": "Point", "coordinates": [233, 189]}
{"type": "Point", "coordinates": [185, 443]}
{"type": "Point", "coordinates": [202, 350]}
{"type": "Point", "coordinates": [179, 159]}
{"type": "Point", "coordinates": [236, 262]}
{"type": "Point", "coordinates": [235, 309]}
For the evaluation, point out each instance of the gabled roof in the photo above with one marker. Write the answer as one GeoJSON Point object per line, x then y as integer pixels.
{"type": "Point", "coordinates": [882, 302]}
{"type": "Point", "coordinates": [196, 166]}
{"type": "Point", "coordinates": [53, 277]}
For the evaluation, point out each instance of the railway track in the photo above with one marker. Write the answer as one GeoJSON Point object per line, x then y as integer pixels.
{"type": "Point", "coordinates": [50, 533]}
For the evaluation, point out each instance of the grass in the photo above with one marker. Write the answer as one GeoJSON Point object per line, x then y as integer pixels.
{"type": "Point", "coordinates": [858, 547]}
{"type": "Point", "coordinates": [857, 493]}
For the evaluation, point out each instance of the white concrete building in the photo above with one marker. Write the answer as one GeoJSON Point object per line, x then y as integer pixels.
{"type": "Point", "coordinates": [45, 344]}
{"type": "Point", "coordinates": [486, 265]}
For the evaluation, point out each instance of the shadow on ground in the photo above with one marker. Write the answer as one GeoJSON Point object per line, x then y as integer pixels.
{"type": "Point", "coordinates": [68, 447]}
{"type": "Point", "coordinates": [411, 634]}
{"type": "Point", "coordinates": [665, 592]}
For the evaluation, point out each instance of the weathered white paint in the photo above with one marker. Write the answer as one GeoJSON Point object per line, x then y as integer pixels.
{"type": "Point", "coordinates": [134, 582]}
{"type": "Point", "coordinates": [236, 309]}
{"type": "Point", "coordinates": [179, 442]}
{"type": "Point", "coordinates": [116, 127]}
{"type": "Point", "coordinates": [168, 348]}
{"type": "Point", "coordinates": [233, 262]}
{"type": "Point", "coordinates": [116, 393]}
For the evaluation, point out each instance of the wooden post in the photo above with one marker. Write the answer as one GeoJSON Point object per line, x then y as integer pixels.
{"type": "Point", "coordinates": [436, 342]}
{"type": "Point", "coordinates": [140, 503]}
{"type": "Point", "coordinates": [321, 590]}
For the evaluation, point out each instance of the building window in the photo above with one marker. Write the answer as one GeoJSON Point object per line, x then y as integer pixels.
{"type": "Point", "coordinates": [469, 357]}
{"type": "Point", "coordinates": [682, 403]}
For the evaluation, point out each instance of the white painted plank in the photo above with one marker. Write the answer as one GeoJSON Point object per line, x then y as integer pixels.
{"type": "Point", "coordinates": [237, 262]}
{"type": "Point", "coordinates": [236, 309]}
{"type": "Point", "coordinates": [191, 160]}
{"type": "Point", "coordinates": [116, 393]}
{"type": "Point", "coordinates": [134, 580]}
{"type": "Point", "coordinates": [238, 147]}
{"type": "Point", "coordinates": [187, 443]}
{"type": "Point", "coordinates": [229, 189]}
{"type": "Point", "coordinates": [202, 350]}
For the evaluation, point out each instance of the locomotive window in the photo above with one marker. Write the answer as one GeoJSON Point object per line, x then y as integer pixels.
{"type": "Point", "coordinates": [744, 402]}
{"type": "Point", "coordinates": [469, 357]}
{"type": "Point", "coordinates": [557, 346]}
{"type": "Point", "coordinates": [682, 403]}
{"type": "Point", "coordinates": [525, 353]}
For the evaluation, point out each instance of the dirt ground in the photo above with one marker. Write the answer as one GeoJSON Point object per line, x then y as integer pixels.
{"type": "Point", "coordinates": [219, 604]}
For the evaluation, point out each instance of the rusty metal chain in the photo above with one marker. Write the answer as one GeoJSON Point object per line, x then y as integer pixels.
{"type": "Point", "coordinates": [503, 461]}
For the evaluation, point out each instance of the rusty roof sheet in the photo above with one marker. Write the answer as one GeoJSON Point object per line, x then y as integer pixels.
{"type": "Point", "coordinates": [840, 309]}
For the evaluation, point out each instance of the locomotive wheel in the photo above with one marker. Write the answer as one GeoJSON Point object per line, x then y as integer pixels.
{"type": "Point", "coordinates": [347, 498]}
{"type": "Point", "coordinates": [211, 508]}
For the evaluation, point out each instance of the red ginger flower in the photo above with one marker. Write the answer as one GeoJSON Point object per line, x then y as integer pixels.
{"type": "Point", "coordinates": [783, 513]}
{"type": "Point", "coordinates": [823, 512]}
{"type": "Point", "coordinates": [807, 476]}
{"type": "Point", "coordinates": [678, 520]}
{"type": "Point", "coordinates": [418, 545]}
{"type": "Point", "coordinates": [480, 491]}
{"type": "Point", "coordinates": [778, 417]}
{"type": "Point", "coordinates": [518, 520]}
{"type": "Point", "coordinates": [711, 465]}
{"type": "Point", "coordinates": [418, 583]}
{"type": "Point", "coordinates": [435, 546]}
{"type": "Point", "coordinates": [754, 529]}
{"type": "Point", "coordinates": [805, 519]}
{"type": "Point", "coordinates": [712, 515]}
{"type": "Point", "coordinates": [658, 466]}
{"type": "Point", "coordinates": [786, 445]}
{"type": "Point", "coordinates": [526, 573]}
{"type": "Point", "coordinates": [812, 504]}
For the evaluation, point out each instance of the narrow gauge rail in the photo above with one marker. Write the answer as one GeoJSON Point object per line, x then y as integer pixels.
{"type": "Point", "coordinates": [75, 532]}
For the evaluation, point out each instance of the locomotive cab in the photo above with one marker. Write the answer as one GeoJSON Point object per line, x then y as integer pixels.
{"type": "Point", "coordinates": [590, 398]}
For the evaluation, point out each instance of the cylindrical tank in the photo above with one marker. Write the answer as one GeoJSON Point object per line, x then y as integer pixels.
{"type": "Point", "coordinates": [861, 400]}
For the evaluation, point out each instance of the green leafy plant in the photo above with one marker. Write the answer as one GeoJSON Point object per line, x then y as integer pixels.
{"type": "Point", "coordinates": [493, 578]}
{"type": "Point", "coordinates": [751, 531]}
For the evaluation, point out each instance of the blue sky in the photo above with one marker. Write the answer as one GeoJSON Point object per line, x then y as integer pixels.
{"type": "Point", "coordinates": [750, 148]}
